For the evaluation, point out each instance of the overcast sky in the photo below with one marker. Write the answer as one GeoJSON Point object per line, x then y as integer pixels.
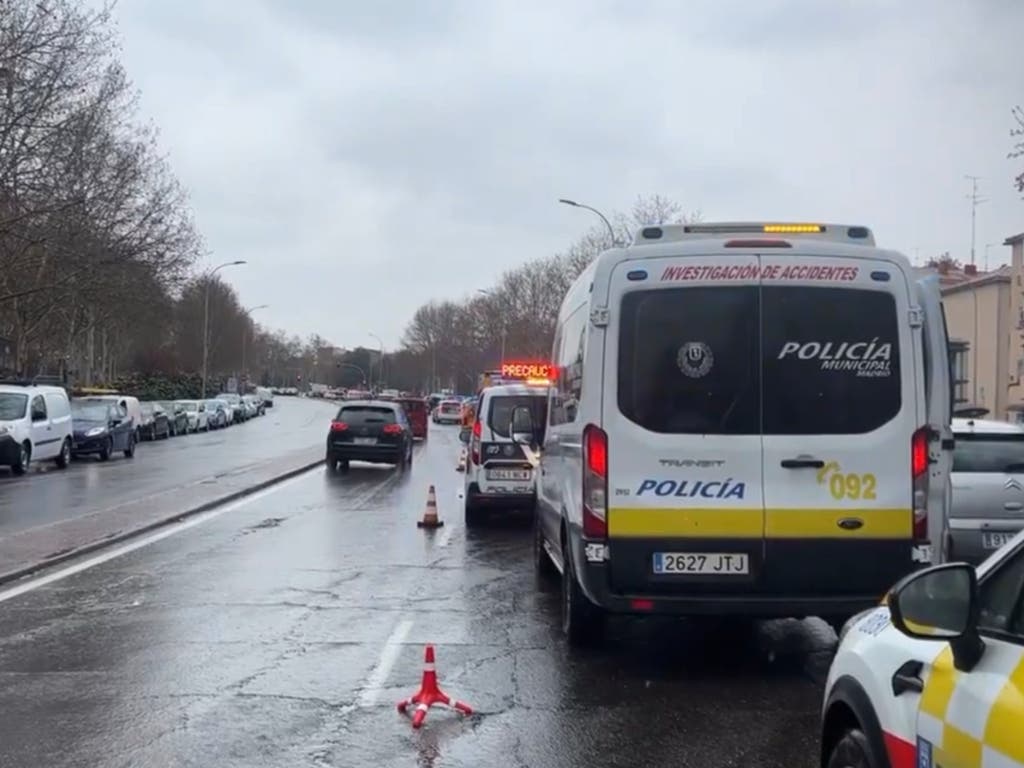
{"type": "Point", "coordinates": [368, 156]}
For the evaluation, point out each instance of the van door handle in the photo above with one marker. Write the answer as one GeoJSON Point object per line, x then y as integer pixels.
{"type": "Point", "coordinates": [802, 463]}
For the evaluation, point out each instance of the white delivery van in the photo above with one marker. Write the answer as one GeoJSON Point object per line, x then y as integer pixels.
{"type": "Point", "coordinates": [35, 425]}
{"type": "Point", "coordinates": [750, 419]}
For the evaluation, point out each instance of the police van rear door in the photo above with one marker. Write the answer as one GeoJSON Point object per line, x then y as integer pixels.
{"type": "Point", "coordinates": [681, 412]}
{"type": "Point", "coordinates": [840, 408]}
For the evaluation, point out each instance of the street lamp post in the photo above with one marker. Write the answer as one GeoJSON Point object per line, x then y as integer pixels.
{"type": "Point", "coordinates": [380, 368]}
{"type": "Point", "coordinates": [574, 204]}
{"type": "Point", "coordinates": [245, 335]}
{"type": "Point", "coordinates": [206, 316]}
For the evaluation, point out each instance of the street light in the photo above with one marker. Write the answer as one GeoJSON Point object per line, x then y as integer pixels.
{"type": "Point", "coordinates": [504, 325]}
{"type": "Point", "coordinates": [245, 334]}
{"type": "Point", "coordinates": [607, 223]}
{"type": "Point", "coordinates": [206, 316]}
{"type": "Point", "coordinates": [380, 369]}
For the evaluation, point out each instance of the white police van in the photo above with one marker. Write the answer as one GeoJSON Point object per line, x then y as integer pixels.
{"type": "Point", "coordinates": [503, 456]}
{"type": "Point", "coordinates": [749, 419]}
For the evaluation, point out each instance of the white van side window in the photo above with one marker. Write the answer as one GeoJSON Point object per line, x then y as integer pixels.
{"type": "Point", "coordinates": [38, 408]}
{"type": "Point", "coordinates": [570, 364]}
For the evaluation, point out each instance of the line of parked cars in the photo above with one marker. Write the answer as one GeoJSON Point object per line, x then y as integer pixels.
{"type": "Point", "coordinates": [44, 423]}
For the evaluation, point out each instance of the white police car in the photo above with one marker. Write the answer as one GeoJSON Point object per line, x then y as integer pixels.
{"type": "Point", "coordinates": [935, 676]}
{"type": "Point", "coordinates": [501, 470]}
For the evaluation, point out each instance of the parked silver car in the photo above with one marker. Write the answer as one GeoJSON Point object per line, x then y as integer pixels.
{"type": "Point", "coordinates": [988, 488]}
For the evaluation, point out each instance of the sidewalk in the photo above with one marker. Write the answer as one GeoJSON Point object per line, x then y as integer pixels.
{"type": "Point", "coordinates": [46, 545]}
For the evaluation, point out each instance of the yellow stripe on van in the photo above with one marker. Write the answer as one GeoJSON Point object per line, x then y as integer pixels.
{"type": "Point", "coordinates": [740, 523]}
{"type": "Point", "coordinates": [687, 522]}
{"type": "Point", "coordinates": [890, 523]}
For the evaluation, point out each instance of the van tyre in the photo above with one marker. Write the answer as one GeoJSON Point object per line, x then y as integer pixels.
{"type": "Point", "coordinates": [20, 466]}
{"type": "Point", "coordinates": [582, 622]}
{"type": "Point", "coordinates": [64, 457]}
{"type": "Point", "coordinates": [851, 751]}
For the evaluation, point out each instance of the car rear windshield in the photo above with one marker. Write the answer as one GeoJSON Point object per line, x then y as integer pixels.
{"type": "Point", "coordinates": [190, 406]}
{"type": "Point", "coordinates": [499, 416]}
{"type": "Point", "coordinates": [775, 360]}
{"type": "Point", "coordinates": [89, 411]}
{"type": "Point", "coordinates": [364, 415]}
{"type": "Point", "coordinates": [980, 452]}
{"type": "Point", "coordinates": [12, 405]}
{"type": "Point", "coordinates": [451, 407]}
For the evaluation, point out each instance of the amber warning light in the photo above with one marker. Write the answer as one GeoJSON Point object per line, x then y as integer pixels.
{"type": "Point", "coordinates": [530, 371]}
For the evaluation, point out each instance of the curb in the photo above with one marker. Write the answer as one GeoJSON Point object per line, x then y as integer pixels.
{"type": "Point", "coordinates": [119, 538]}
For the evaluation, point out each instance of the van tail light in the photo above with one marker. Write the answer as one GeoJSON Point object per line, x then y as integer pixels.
{"type": "Point", "coordinates": [392, 429]}
{"type": "Point", "coordinates": [338, 426]}
{"type": "Point", "coordinates": [919, 482]}
{"type": "Point", "coordinates": [595, 482]}
{"type": "Point", "coordinates": [475, 445]}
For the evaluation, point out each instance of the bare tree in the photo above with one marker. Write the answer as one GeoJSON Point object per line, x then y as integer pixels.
{"type": "Point", "coordinates": [1017, 134]}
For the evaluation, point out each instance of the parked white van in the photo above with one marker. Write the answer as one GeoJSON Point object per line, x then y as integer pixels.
{"type": "Point", "coordinates": [35, 425]}
{"type": "Point", "coordinates": [750, 419]}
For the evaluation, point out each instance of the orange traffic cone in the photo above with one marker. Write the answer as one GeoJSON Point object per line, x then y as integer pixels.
{"type": "Point", "coordinates": [430, 693]}
{"type": "Point", "coordinates": [430, 518]}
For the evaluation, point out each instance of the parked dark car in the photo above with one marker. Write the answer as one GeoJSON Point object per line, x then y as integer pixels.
{"type": "Point", "coordinates": [376, 431]}
{"type": "Point", "coordinates": [156, 425]}
{"type": "Point", "coordinates": [177, 417]}
{"type": "Point", "coordinates": [101, 428]}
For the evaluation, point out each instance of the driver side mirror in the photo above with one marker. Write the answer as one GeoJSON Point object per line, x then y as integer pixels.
{"type": "Point", "coordinates": [521, 425]}
{"type": "Point", "coordinates": [941, 603]}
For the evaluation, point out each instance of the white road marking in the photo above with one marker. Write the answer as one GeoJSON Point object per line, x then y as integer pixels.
{"type": "Point", "coordinates": [159, 535]}
{"type": "Point", "coordinates": [446, 537]}
{"type": "Point", "coordinates": [388, 656]}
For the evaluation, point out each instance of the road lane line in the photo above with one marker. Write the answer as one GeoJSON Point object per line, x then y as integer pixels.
{"type": "Point", "coordinates": [388, 656]}
{"type": "Point", "coordinates": [446, 536]}
{"type": "Point", "coordinates": [173, 528]}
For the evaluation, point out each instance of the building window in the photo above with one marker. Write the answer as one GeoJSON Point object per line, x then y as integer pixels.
{"type": "Point", "coordinates": [958, 362]}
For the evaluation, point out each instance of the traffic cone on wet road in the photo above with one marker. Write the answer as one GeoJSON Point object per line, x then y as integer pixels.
{"type": "Point", "coordinates": [430, 518]}
{"type": "Point", "coordinates": [430, 694]}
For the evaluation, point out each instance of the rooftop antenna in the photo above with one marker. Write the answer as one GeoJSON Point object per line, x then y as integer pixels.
{"type": "Point", "coordinates": [976, 200]}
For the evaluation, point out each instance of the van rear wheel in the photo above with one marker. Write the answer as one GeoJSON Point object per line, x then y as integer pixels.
{"type": "Point", "coordinates": [582, 622]}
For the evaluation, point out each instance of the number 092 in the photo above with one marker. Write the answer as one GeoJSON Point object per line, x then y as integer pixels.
{"type": "Point", "coordinates": [852, 486]}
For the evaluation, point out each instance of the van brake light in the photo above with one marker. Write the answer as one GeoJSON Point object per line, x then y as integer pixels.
{"type": "Point", "coordinates": [474, 453]}
{"type": "Point", "coordinates": [919, 482]}
{"type": "Point", "coordinates": [595, 482]}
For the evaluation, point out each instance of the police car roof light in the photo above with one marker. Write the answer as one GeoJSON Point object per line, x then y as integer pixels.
{"type": "Point", "coordinates": [844, 233]}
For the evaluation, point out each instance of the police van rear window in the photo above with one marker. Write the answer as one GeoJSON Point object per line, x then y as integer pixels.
{"type": "Point", "coordinates": [831, 360]}
{"type": "Point", "coordinates": [499, 416]}
{"type": "Point", "coordinates": [744, 360]}
{"type": "Point", "coordinates": [689, 360]}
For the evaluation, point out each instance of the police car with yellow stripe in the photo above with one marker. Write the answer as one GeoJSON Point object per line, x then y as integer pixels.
{"type": "Point", "coordinates": [935, 676]}
{"type": "Point", "coordinates": [748, 419]}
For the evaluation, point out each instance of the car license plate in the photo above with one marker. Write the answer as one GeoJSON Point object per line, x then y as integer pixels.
{"type": "Point", "coordinates": [710, 563]}
{"type": "Point", "coordinates": [364, 440]}
{"type": "Point", "coordinates": [508, 474]}
{"type": "Point", "coordinates": [995, 540]}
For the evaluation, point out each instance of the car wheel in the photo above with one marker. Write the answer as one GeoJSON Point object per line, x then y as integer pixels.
{"type": "Point", "coordinates": [331, 462]}
{"type": "Point", "coordinates": [20, 466]}
{"type": "Point", "coordinates": [542, 564]}
{"type": "Point", "coordinates": [851, 751]}
{"type": "Point", "coordinates": [64, 457]}
{"type": "Point", "coordinates": [129, 451]}
{"type": "Point", "coordinates": [474, 515]}
{"type": "Point", "coordinates": [107, 449]}
{"type": "Point", "coordinates": [583, 623]}
{"type": "Point", "coordinates": [343, 465]}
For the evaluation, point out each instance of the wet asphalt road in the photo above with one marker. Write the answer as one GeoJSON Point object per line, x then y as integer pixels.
{"type": "Point", "coordinates": [282, 632]}
{"type": "Point", "coordinates": [46, 494]}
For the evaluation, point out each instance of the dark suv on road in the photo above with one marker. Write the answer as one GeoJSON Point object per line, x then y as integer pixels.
{"type": "Point", "coordinates": [376, 431]}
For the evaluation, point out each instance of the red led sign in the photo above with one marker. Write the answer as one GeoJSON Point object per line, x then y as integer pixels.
{"type": "Point", "coordinates": [528, 371]}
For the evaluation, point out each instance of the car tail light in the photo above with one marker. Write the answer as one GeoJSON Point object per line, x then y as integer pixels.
{"type": "Point", "coordinates": [338, 426]}
{"type": "Point", "coordinates": [474, 452]}
{"type": "Point", "coordinates": [595, 482]}
{"type": "Point", "coordinates": [919, 482]}
{"type": "Point", "coordinates": [392, 429]}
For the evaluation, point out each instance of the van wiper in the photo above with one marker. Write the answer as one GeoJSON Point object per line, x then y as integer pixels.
{"type": "Point", "coordinates": [1017, 466]}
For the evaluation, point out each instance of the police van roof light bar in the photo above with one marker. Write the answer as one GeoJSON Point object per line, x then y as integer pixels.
{"type": "Point", "coordinates": [843, 233]}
